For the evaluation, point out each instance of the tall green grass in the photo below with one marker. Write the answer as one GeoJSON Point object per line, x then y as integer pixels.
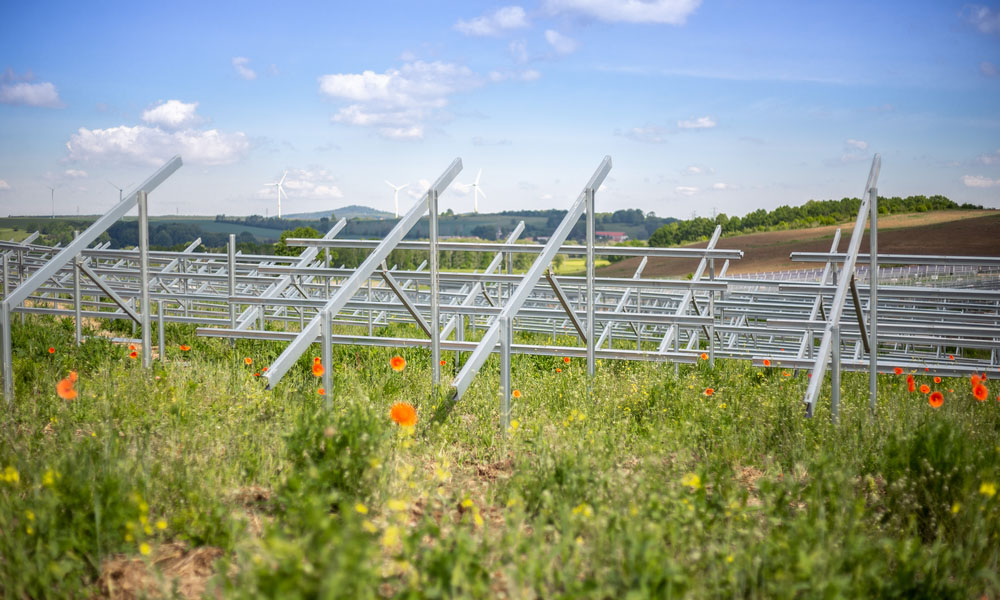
{"type": "Point", "coordinates": [638, 485]}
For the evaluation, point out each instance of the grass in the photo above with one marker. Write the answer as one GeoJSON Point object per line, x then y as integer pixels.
{"type": "Point", "coordinates": [640, 486]}
{"type": "Point", "coordinates": [578, 266]}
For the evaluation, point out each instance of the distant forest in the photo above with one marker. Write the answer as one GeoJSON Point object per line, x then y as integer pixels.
{"type": "Point", "coordinates": [813, 213]}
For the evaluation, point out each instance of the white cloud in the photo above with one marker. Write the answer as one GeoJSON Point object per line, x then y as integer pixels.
{"type": "Point", "coordinates": [978, 181]}
{"type": "Point", "coordinates": [152, 145]}
{"type": "Point", "coordinates": [240, 64]}
{"type": "Point", "coordinates": [651, 134]}
{"type": "Point", "coordinates": [4, 186]}
{"type": "Point", "coordinates": [686, 190]}
{"type": "Point", "coordinates": [75, 174]}
{"type": "Point", "coordinates": [313, 183]}
{"type": "Point", "coordinates": [983, 18]}
{"type": "Point", "coordinates": [504, 19]}
{"type": "Point", "coordinates": [988, 69]}
{"type": "Point", "coordinates": [858, 144]}
{"type": "Point", "coordinates": [724, 186]}
{"type": "Point", "coordinates": [526, 75]}
{"type": "Point", "coordinates": [42, 94]}
{"type": "Point", "coordinates": [698, 123]}
{"type": "Point", "coordinates": [560, 43]}
{"type": "Point", "coordinates": [672, 12]}
{"type": "Point", "coordinates": [693, 170]}
{"type": "Point", "coordinates": [519, 51]}
{"type": "Point", "coordinates": [173, 114]}
{"type": "Point", "coordinates": [399, 101]}
{"type": "Point", "coordinates": [990, 159]}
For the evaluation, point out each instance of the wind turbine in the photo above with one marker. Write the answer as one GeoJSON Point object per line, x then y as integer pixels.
{"type": "Point", "coordinates": [120, 190]}
{"type": "Point", "coordinates": [280, 190]}
{"type": "Point", "coordinates": [476, 190]}
{"type": "Point", "coordinates": [395, 193]}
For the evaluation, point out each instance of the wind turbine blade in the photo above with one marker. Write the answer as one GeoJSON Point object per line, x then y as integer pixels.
{"type": "Point", "coordinates": [283, 178]}
{"type": "Point", "coordinates": [404, 186]}
{"type": "Point", "coordinates": [390, 184]}
{"type": "Point", "coordinates": [480, 190]}
{"type": "Point", "coordinates": [478, 175]}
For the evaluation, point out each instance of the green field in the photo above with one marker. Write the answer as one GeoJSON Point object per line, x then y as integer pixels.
{"type": "Point", "coordinates": [641, 485]}
{"type": "Point", "coordinates": [8, 234]}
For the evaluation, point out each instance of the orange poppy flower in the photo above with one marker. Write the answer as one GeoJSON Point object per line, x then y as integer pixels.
{"type": "Point", "coordinates": [927, 369]}
{"type": "Point", "coordinates": [516, 393]}
{"type": "Point", "coordinates": [131, 346]}
{"type": "Point", "coordinates": [404, 414]}
{"type": "Point", "coordinates": [398, 363]}
{"type": "Point", "coordinates": [975, 380]}
{"type": "Point", "coordinates": [980, 392]}
{"type": "Point", "coordinates": [443, 362]}
{"type": "Point", "coordinates": [925, 389]}
{"type": "Point", "coordinates": [786, 374]}
{"type": "Point", "coordinates": [318, 368]}
{"type": "Point", "coordinates": [248, 361]}
{"type": "Point", "coordinates": [767, 362]}
{"type": "Point", "coordinates": [566, 359]}
{"type": "Point", "coordinates": [185, 347]}
{"type": "Point", "coordinates": [936, 399]}
{"type": "Point", "coordinates": [951, 357]}
{"type": "Point", "coordinates": [73, 376]}
{"type": "Point", "coordinates": [709, 391]}
{"type": "Point", "coordinates": [937, 380]}
{"type": "Point", "coordinates": [257, 374]}
{"type": "Point", "coordinates": [558, 370]}
{"type": "Point", "coordinates": [898, 370]}
{"type": "Point", "coordinates": [133, 354]}
{"type": "Point", "coordinates": [909, 378]}
{"type": "Point", "coordinates": [52, 350]}
{"type": "Point", "coordinates": [65, 389]}
{"type": "Point", "coordinates": [321, 392]}
{"type": "Point", "coordinates": [704, 356]}
{"type": "Point", "coordinates": [263, 369]}
{"type": "Point", "coordinates": [911, 386]}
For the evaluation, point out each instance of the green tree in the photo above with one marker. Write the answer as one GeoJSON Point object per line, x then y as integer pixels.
{"type": "Point", "coordinates": [283, 249]}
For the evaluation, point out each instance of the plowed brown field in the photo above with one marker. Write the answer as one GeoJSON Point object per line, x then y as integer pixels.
{"type": "Point", "coordinates": [958, 233]}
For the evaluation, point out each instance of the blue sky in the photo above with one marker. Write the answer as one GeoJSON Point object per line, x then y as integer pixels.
{"type": "Point", "coordinates": [703, 104]}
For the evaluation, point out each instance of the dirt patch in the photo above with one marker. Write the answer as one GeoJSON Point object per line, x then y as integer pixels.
{"type": "Point", "coordinates": [498, 470]}
{"type": "Point", "coordinates": [171, 568]}
{"type": "Point", "coordinates": [954, 233]}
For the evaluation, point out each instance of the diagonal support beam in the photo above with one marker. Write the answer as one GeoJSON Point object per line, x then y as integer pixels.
{"type": "Point", "coordinates": [364, 271]}
{"type": "Point", "coordinates": [528, 283]}
{"type": "Point", "coordinates": [567, 306]}
{"type": "Point", "coordinates": [401, 294]}
{"type": "Point", "coordinates": [111, 293]}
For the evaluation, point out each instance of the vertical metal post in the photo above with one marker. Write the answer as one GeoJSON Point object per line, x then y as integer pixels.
{"type": "Point", "coordinates": [591, 324]}
{"type": "Point", "coordinates": [8, 358]}
{"type": "Point", "coordinates": [432, 206]}
{"type": "Point", "coordinates": [835, 373]}
{"type": "Point", "coordinates": [6, 267]}
{"type": "Point", "coordinates": [147, 350]}
{"type": "Point", "coordinates": [326, 278]}
{"type": "Point", "coordinates": [326, 330]}
{"type": "Point", "coordinates": [459, 336]}
{"type": "Point", "coordinates": [873, 301]}
{"type": "Point", "coordinates": [160, 335]}
{"type": "Point", "coordinates": [371, 324]}
{"type": "Point", "coordinates": [77, 331]}
{"type": "Point", "coordinates": [638, 309]}
{"type": "Point", "coordinates": [231, 269]}
{"type": "Point", "coordinates": [505, 390]}
{"type": "Point", "coordinates": [711, 313]}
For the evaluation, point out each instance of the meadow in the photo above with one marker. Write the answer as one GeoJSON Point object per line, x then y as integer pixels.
{"type": "Point", "coordinates": [190, 478]}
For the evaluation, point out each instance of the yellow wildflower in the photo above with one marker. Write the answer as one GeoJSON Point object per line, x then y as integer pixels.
{"type": "Point", "coordinates": [390, 539]}
{"type": "Point", "coordinates": [956, 507]}
{"type": "Point", "coordinates": [396, 505]}
{"type": "Point", "coordinates": [49, 478]}
{"type": "Point", "coordinates": [161, 524]}
{"type": "Point", "coordinates": [692, 480]}
{"type": "Point", "coordinates": [29, 515]}
{"type": "Point", "coordinates": [10, 475]}
{"type": "Point", "coordinates": [368, 526]}
{"type": "Point", "coordinates": [361, 508]}
{"type": "Point", "coordinates": [583, 509]}
{"type": "Point", "coordinates": [988, 489]}
{"type": "Point", "coordinates": [144, 549]}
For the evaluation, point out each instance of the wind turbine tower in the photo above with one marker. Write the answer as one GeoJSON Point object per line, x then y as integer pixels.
{"type": "Point", "coordinates": [395, 194]}
{"type": "Point", "coordinates": [476, 190]}
{"type": "Point", "coordinates": [53, 190]}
